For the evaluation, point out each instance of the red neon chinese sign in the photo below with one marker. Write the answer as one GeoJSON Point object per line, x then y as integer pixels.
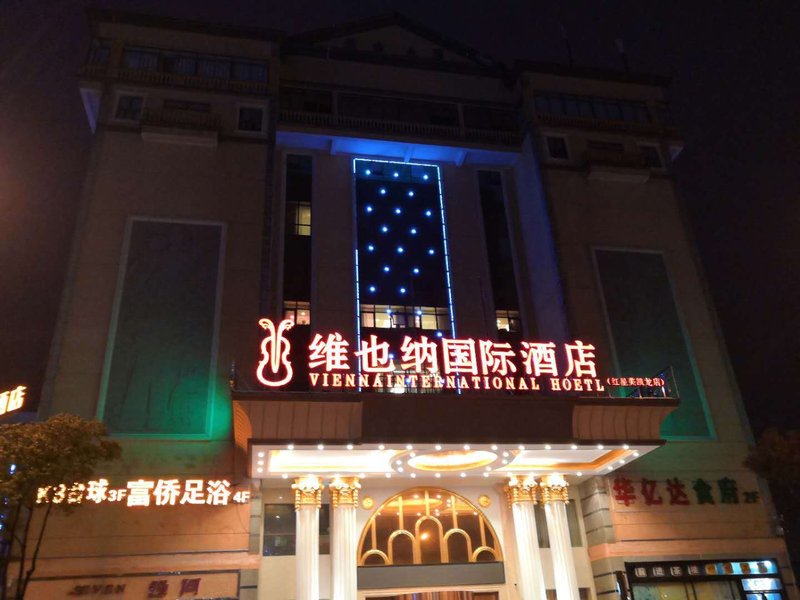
{"type": "Point", "coordinates": [450, 364]}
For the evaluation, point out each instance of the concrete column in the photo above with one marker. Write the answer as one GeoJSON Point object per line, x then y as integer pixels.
{"type": "Point", "coordinates": [344, 538]}
{"type": "Point", "coordinates": [555, 497]}
{"type": "Point", "coordinates": [307, 500]}
{"type": "Point", "coordinates": [522, 497]}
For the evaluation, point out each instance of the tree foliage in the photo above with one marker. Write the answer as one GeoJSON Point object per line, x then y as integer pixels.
{"type": "Point", "coordinates": [776, 458]}
{"type": "Point", "coordinates": [65, 449]}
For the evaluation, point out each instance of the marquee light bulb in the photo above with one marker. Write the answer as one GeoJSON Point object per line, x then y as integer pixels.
{"type": "Point", "coordinates": [372, 289]}
{"type": "Point", "coordinates": [386, 268]}
{"type": "Point", "coordinates": [400, 250]}
{"type": "Point", "coordinates": [431, 251]}
{"type": "Point", "coordinates": [413, 231]}
{"type": "Point", "coordinates": [320, 446]}
{"type": "Point", "coordinates": [396, 174]}
{"type": "Point", "coordinates": [410, 193]}
{"type": "Point", "coordinates": [438, 446]}
{"type": "Point", "coordinates": [381, 447]}
{"type": "Point", "coordinates": [383, 191]}
{"type": "Point", "coordinates": [384, 229]}
{"type": "Point", "coordinates": [402, 290]}
{"type": "Point", "coordinates": [285, 476]}
{"type": "Point", "coordinates": [368, 172]}
{"type": "Point", "coordinates": [370, 248]}
{"type": "Point", "coordinates": [428, 213]}
{"type": "Point", "coordinates": [368, 208]}
{"type": "Point", "coordinates": [425, 177]}
{"type": "Point", "coordinates": [415, 270]}
{"type": "Point", "coordinates": [397, 210]}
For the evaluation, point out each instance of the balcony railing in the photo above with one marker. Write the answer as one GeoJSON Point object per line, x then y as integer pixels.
{"type": "Point", "coordinates": [606, 125]}
{"type": "Point", "coordinates": [181, 119]}
{"type": "Point", "coordinates": [99, 71]}
{"type": "Point", "coordinates": [462, 117]}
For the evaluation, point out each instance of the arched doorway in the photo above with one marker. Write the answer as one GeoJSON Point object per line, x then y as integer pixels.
{"type": "Point", "coordinates": [427, 526]}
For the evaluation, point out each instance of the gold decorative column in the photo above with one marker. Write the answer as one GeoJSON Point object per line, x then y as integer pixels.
{"type": "Point", "coordinates": [344, 538]}
{"type": "Point", "coordinates": [307, 500]}
{"type": "Point", "coordinates": [555, 496]}
{"type": "Point", "coordinates": [522, 497]}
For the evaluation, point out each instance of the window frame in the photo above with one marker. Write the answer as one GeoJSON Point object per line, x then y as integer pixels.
{"type": "Point", "coordinates": [118, 95]}
{"type": "Point", "coordinates": [250, 132]}
{"type": "Point", "coordinates": [565, 138]}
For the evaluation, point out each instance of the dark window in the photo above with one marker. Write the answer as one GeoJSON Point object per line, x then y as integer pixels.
{"type": "Point", "coordinates": [589, 107]}
{"type": "Point", "coordinates": [280, 530]}
{"type": "Point", "coordinates": [140, 59]}
{"type": "Point", "coordinates": [99, 52]}
{"type": "Point", "coordinates": [316, 101]}
{"type": "Point", "coordinates": [180, 64]}
{"type": "Point", "coordinates": [251, 118]}
{"type": "Point", "coordinates": [247, 71]}
{"type": "Point", "coordinates": [298, 195]}
{"type": "Point", "coordinates": [214, 68]}
{"type": "Point", "coordinates": [557, 147]}
{"type": "Point", "coordinates": [129, 107]}
{"type": "Point", "coordinates": [652, 157]}
{"type": "Point", "coordinates": [498, 247]}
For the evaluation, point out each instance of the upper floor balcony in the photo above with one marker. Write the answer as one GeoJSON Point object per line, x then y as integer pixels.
{"type": "Point", "coordinates": [152, 66]}
{"type": "Point", "coordinates": [403, 118]}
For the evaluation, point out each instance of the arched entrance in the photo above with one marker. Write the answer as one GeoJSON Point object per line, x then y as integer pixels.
{"type": "Point", "coordinates": [427, 526]}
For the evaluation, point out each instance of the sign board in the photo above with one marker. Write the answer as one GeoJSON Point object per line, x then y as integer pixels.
{"type": "Point", "coordinates": [11, 400]}
{"type": "Point", "coordinates": [438, 364]}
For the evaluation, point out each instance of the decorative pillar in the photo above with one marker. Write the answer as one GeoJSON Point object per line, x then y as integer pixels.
{"type": "Point", "coordinates": [522, 498]}
{"type": "Point", "coordinates": [555, 497]}
{"type": "Point", "coordinates": [344, 538]}
{"type": "Point", "coordinates": [307, 500]}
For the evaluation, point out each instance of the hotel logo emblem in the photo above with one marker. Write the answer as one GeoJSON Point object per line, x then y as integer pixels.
{"type": "Point", "coordinates": [275, 369]}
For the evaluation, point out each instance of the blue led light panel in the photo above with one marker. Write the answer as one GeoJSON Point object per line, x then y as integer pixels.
{"type": "Point", "coordinates": [400, 235]}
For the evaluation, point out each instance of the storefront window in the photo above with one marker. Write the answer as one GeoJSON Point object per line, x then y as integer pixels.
{"type": "Point", "coordinates": [280, 533]}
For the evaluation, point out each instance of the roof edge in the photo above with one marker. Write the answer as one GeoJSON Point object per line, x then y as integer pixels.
{"type": "Point", "coordinates": [176, 24]}
{"type": "Point", "coordinates": [651, 79]}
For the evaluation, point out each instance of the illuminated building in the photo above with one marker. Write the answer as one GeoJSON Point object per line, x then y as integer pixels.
{"type": "Point", "coordinates": [374, 315]}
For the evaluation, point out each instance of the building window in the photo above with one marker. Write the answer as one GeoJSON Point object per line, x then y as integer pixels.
{"type": "Point", "coordinates": [588, 107]}
{"type": "Point", "coordinates": [251, 119]}
{"type": "Point", "coordinates": [299, 217]}
{"type": "Point", "coordinates": [383, 316]}
{"type": "Point", "coordinates": [425, 526]}
{"type": "Point", "coordinates": [280, 533]}
{"type": "Point", "coordinates": [129, 107]}
{"type": "Point", "coordinates": [297, 312]}
{"type": "Point", "coordinates": [652, 157]}
{"type": "Point", "coordinates": [99, 52]}
{"type": "Point", "coordinates": [557, 147]}
{"type": "Point", "coordinates": [140, 59]}
{"type": "Point", "coordinates": [604, 146]}
{"type": "Point", "coordinates": [508, 320]}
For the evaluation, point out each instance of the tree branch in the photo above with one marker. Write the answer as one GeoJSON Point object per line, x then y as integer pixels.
{"type": "Point", "coordinates": [35, 554]}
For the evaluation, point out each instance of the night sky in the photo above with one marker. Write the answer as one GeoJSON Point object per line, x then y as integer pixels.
{"type": "Point", "coordinates": [735, 91]}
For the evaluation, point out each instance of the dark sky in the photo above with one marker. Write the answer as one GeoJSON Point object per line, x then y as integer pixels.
{"type": "Point", "coordinates": [736, 92]}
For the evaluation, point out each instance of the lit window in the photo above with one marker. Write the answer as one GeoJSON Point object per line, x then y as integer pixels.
{"type": "Point", "coordinates": [129, 107]}
{"type": "Point", "coordinates": [298, 215]}
{"type": "Point", "coordinates": [298, 312]}
{"type": "Point", "coordinates": [384, 316]}
{"type": "Point", "coordinates": [508, 320]}
{"type": "Point", "coordinates": [251, 119]}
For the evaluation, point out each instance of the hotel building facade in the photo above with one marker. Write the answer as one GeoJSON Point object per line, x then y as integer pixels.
{"type": "Point", "coordinates": [374, 315]}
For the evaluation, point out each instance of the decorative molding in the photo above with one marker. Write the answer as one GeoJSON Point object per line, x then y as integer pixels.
{"type": "Point", "coordinates": [521, 490]}
{"type": "Point", "coordinates": [307, 491]}
{"type": "Point", "coordinates": [554, 488]}
{"type": "Point", "coordinates": [344, 491]}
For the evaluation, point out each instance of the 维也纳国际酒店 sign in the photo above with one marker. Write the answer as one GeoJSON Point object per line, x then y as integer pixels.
{"type": "Point", "coordinates": [446, 363]}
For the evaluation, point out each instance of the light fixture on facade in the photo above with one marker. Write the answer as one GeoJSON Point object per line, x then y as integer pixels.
{"type": "Point", "coordinates": [579, 474]}
{"type": "Point", "coordinates": [486, 474]}
{"type": "Point", "coordinates": [388, 476]}
{"type": "Point", "coordinates": [494, 447]}
{"type": "Point", "coordinates": [466, 446]}
{"type": "Point", "coordinates": [438, 447]}
{"type": "Point", "coordinates": [261, 463]}
{"type": "Point", "coordinates": [505, 454]}
{"type": "Point", "coordinates": [463, 474]}
{"type": "Point", "coordinates": [574, 447]}
{"type": "Point", "coordinates": [260, 470]}
{"type": "Point", "coordinates": [626, 447]}
{"type": "Point", "coordinates": [413, 475]}
{"type": "Point", "coordinates": [437, 475]}
{"type": "Point", "coordinates": [600, 446]}
{"type": "Point", "coordinates": [409, 447]}
{"type": "Point", "coordinates": [349, 446]}
{"type": "Point", "coordinates": [381, 447]}
{"type": "Point", "coordinates": [261, 454]}
{"type": "Point", "coordinates": [521, 447]}
{"type": "Point", "coordinates": [285, 476]}
{"type": "Point", "coordinates": [548, 447]}
{"type": "Point", "coordinates": [320, 446]}
{"type": "Point", "coordinates": [362, 475]}
{"type": "Point", "coordinates": [636, 453]}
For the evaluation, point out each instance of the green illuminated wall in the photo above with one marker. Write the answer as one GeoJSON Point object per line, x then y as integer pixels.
{"type": "Point", "coordinates": [159, 375]}
{"type": "Point", "coordinates": [648, 334]}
